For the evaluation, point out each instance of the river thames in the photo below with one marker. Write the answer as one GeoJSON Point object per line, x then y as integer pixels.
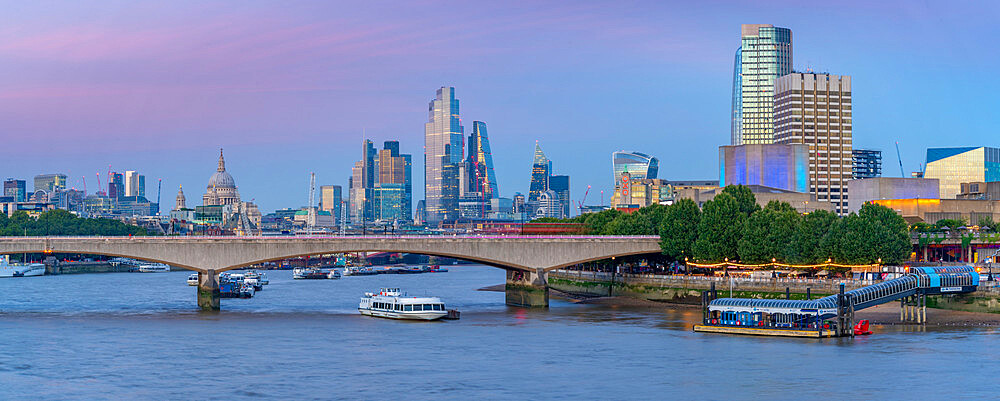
{"type": "Point", "coordinates": [138, 336]}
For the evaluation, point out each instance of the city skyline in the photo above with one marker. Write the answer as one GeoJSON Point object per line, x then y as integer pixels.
{"type": "Point", "coordinates": [100, 96]}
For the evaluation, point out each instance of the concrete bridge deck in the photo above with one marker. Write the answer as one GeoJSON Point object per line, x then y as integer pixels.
{"type": "Point", "coordinates": [526, 258]}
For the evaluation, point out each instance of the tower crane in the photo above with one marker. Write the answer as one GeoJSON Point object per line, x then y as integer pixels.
{"type": "Point", "coordinates": [581, 202]}
{"type": "Point", "coordinates": [84, 186]}
{"type": "Point", "coordinates": [900, 158]}
{"type": "Point", "coordinates": [98, 182]}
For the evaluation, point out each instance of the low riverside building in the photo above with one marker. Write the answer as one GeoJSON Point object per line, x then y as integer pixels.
{"type": "Point", "coordinates": [932, 210]}
{"type": "Point", "coordinates": [879, 188]}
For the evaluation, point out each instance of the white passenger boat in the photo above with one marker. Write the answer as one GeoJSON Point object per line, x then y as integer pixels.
{"type": "Point", "coordinates": [193, 279]}
{"type": "Point", "coordinates": [393, 304]}
{"type": "Point", "coordinates": [333, 274]}
{"type": "Point", "coordinates": [153, 268]}
{"type": "Point", "coordinates": [8, 269]}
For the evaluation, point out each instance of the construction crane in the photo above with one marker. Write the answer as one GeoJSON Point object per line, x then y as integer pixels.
{"type": "Point", "coordinates": [580, 203]}
{"type": "Point", "coordinates": [98, 182]}
{"type": "Point", "coordinates": [900, 158]}
{"type": "Point", "coordinates": [311, 216]}
{"type": "Point", "coordinates": [84, 186]}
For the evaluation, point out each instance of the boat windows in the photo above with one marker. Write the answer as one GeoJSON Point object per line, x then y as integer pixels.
{"type": "Point", "coordinates": [408, 308]}
{"type": "Point", "coordinates": [418, 308]}
{"type": "Point", "coordinates": [438, 307]}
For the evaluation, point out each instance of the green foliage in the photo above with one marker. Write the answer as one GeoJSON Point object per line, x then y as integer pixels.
{"type": "Point", "coordinates": [780, 207]}
{"type": "Point", "coordinates": [967, 240]}
{"type": "Point", "coordinates": [634, 223]}
{"type": "Point", "coordinates": [61, 222]}
{"type": "Point", "coordinates": [807, 244]}
{"type": "Point", "coordinates": [987, 222]}
{"type": "Point", "coordinates": [768, 234]}
{"type": "Point", "coordinates": [597, 221]}
{"type": "Point", "coordinates": [951, 223]}
{"type": "Point", "coordinates": [875, 232]}
{"type": "Point", "coordinates": [679, 229]}
{"type": "Point", "coordinates": [719, 229]}
{"type": "Point", "coordinates": [744, 198]}
{"type": "Point", "coordinates": [654, 213]}
{"type": "Point", "coordinates": [922, 227]}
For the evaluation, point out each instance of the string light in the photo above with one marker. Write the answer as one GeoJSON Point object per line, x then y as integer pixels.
{"type": "Point", "coordinates": [785, 265]}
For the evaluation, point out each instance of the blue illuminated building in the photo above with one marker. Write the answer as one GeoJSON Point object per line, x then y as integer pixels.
{"type": "Point", "coordinates": [783, 166]}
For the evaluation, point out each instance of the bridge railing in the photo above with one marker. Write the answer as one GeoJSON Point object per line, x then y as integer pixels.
{"type": "Point", "coordinates": [352, 237]}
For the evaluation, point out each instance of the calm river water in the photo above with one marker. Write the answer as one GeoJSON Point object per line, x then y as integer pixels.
{"type": "Point", "coordinates": [137, 336]}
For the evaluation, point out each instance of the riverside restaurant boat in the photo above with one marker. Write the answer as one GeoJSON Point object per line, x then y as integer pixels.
{"type": "Point", "coordinates": [153, 268]}
{"type": "Point", "coordinates": [8, 269]}
{"type": "Point", "coordinates": [393, 304]}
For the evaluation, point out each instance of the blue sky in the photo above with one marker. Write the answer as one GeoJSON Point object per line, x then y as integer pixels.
{"type": "Point", "coordinates": [287, 88]}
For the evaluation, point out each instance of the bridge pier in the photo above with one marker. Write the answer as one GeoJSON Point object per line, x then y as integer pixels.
{"type": "Point", "coordinates": [527, 289]}
{"type": "Point", "coordinates": [208, 291]}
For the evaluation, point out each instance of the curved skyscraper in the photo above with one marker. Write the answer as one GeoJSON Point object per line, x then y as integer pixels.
{"type": "Point", "coordinates": [443, 154]}
{"type": "Point", "coordinates": [479, 168]}
{"type": "Point", "coordinates": [764, 55]}
{"type": "Point", "coordinates": [639, 165]}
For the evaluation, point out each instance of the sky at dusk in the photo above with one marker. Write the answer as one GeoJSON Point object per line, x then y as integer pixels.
{"type": "Point", "coordinates": [289, 88]}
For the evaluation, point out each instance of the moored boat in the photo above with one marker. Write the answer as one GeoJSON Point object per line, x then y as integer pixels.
{"type": "Point", "coordinates": [153, 268]}
{"type": "Point", "coordinates": [333, 274]}
{"type": "Point", "coordinates": [8, 269]}
{"type": "Point", "coordinates": [192, 279]}
{"type": "Point", "coordinates": [393, 304]}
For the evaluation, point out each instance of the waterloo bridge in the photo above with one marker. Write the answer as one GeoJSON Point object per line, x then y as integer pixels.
{"type": "Point", "coordinates": [527, 259]}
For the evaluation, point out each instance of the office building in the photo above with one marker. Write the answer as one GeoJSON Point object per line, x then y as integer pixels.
{"type": "Point", "coordinates": [541, 170]}
{"type": "Point", "coordinates": [443, 153]}
{"type": "Point", "coordinates": [815, 109]}
{"type": "Point", "coordinates": [783, 166]}
{"type": "Point", "coordinates": [867, 163]}
{"type": "Point", "coordinates": [765, 53]}
{"type": "Point", "coordinates": [634, 194]}
{"type": "Point", "coordinates": [116, 186]}
{"type": "Point", "coordinates": [479, 165]}
{"type": "Point", "coordinates": [639, 165]}
{"type": "Point", "coordinates": [135, 184]}
{"type": "Point", "coordinates": [387, 202]}
{"type": "Point", "coordinates": [560, 185]}
{"type": "Point", "coordinates": [331, 200]}
{"type": "Point", "coordinates": [50, 182]}
{"type": "Point", "coordinates": [953, 166]}
{"type": "Point", "coordinates": [15, 189]}
{"type": "Point", "coordinates": [881, 188]}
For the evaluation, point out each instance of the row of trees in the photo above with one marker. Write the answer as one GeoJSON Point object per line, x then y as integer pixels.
{"type": "Point", "coordinates": [733, 226]}
{"type": "Point", "coordinates": [61, 222]}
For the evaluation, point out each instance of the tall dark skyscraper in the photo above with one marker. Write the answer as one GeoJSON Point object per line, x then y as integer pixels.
{"type": "Point", "coordinates": [479, 164]}
{"type": "Point", "coordinates": [541, 169]}
{"type": "Point", "coordinates": [116, 186]}
{"type": "Point", "coordinates": [443, 153]}
{"type": "Point", "coordinates": [560, 185]}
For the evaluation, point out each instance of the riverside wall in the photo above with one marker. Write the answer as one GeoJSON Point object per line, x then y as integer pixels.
{"type": "Point", "coordinates": [687, 289]}
{"type": "Point", "coordinates": [83, 267]}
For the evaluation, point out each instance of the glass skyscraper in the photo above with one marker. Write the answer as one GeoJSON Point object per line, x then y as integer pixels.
{"type": "Point", "coordinates": [443, 153]}
{"type": "Point", "coordinates": [639, 165]}
{"type": "Point", "coordinates": [954, 166]}
{"type": "Point", "coordinates": [479, 168]}
{"type": "Point", "coordinates": [541, 170]}
{"type": "Point", "coordinates": [764, 55]}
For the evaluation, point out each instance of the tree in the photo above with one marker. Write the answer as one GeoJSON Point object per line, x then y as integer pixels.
{"type": "Point", "coordinates": [654, 213]}
{"type": "Point", "coordinates": [679, 229]}
{"type": "Point", "coordinates": [719, 229]}
{"type": "Point", "coordinates": [634, 223]}
{"type": "Point", "coordinates": [767, 234]}
{"type": "Point", "coordinates": [597, 221]}
{"type": "Point", "coordinates": [744, 198]}
{"type": "Point", "coordinates": [807, 244]}
{"type": "Point", "coordinates": [887, 234]}
{"type": "Point", "coordinates": [951, 223]}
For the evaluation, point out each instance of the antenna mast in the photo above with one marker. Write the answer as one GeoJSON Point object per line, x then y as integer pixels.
{"type": "Point", "coordinates": [311, 216]}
